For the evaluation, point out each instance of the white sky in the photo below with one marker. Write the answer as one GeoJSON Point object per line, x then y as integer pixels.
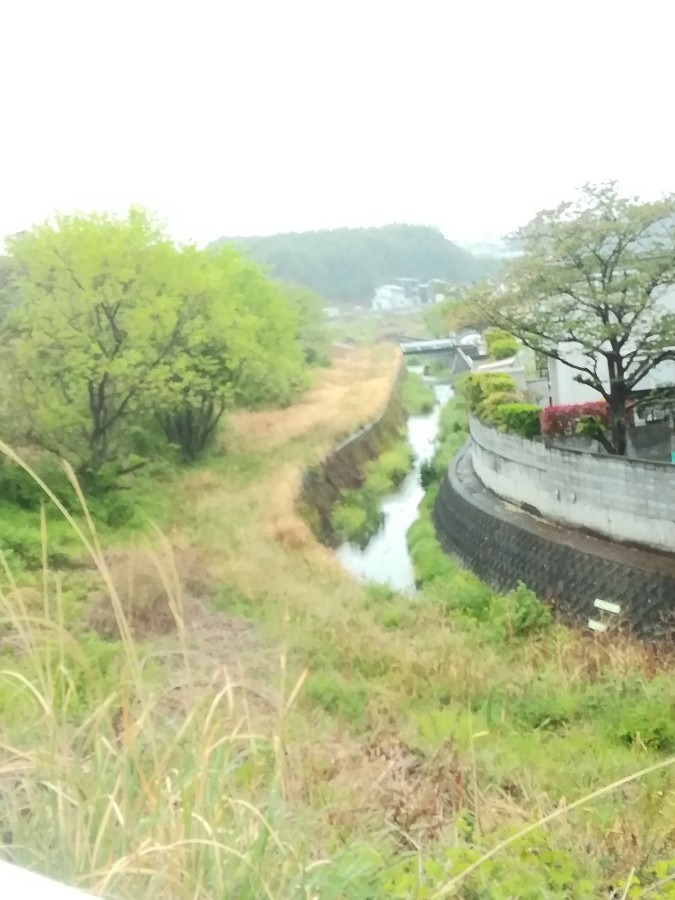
{"type": "Point", "coordinates": [254, 116]}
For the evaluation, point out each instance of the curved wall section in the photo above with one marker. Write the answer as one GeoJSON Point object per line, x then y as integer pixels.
{"type": "Point", "coordinates": [568, 569]}
{"type": "Point", "coordinates": [627, 500]}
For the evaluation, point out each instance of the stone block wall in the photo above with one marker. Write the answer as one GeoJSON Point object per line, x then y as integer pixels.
{"type": "Point", "coordinates": [627, 500]}
{"type": "Point", "coordinates": [504, 546]}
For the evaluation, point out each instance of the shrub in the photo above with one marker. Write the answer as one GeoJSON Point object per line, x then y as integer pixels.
{"type": "Point", "coordinates": [504, 349]}
{"type": "Point", "coordinates": [489, 410]}
{"type": "Point", "coordinates": [356, 523]}
{"type": "Point", "coordinates": [430, 473]}
{"type": "Point", "coordinates": [520, 418]}
{"type": "Point", "coordinates": [565, 419]}
{"type": "Point", "coordinates": [394, 464]}
{"type": "Point", "coordinates": [478, 386]}
{"type": "Point", "coordinates": [20, 489]}
{"type": "Point", "coordinates": [526, 614]}
{"type": "Point", "coordinates": [500, 344]}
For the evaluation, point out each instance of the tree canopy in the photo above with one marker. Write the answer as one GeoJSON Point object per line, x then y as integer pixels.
{"type": "Point", "coordinates": [118, 336]}
{"type": "Point", "coordinates": [459, 310]}
{"type": "Point", "coordinates": [596, 278]}
{"type": "Point", "coordinates": [347, 264]}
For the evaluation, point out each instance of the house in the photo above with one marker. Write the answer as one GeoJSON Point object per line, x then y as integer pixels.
{"type": "Point", "coordinates": [389, 297]}
{"type": "Point", "coordinates": [405, 293]}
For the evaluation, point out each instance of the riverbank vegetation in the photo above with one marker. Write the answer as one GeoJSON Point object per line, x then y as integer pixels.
{"type": "Point", "coordinates": [418, 395]}
{"type": "Point", "coordinates": [357, 515]}
{"type": "Point", "coordinates": [214, 708]}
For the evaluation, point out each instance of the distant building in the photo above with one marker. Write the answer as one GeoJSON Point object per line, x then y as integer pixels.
{"type": "Point", "coordinates": [405, 293]}
{"type": "Point", "coordinates": [332, 312]}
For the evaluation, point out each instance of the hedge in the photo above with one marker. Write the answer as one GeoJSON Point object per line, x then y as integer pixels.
{"type": "Point", "coordinates": [520, 418]}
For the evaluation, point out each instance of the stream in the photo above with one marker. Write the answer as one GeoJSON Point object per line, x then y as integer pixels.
{"type": "Point", "coordinates": [385, 558]}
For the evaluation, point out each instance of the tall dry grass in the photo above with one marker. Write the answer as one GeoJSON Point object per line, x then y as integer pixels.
{"type": "Point", "coordinates": [157, 765]}
{"type": "Point", "coordinates": [163, 776]}
{"type": "Point", "coordinates": [186, 763]}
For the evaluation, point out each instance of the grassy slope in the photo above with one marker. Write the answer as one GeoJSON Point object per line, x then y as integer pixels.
{"type": "Point", "coordinates": [188, 764]}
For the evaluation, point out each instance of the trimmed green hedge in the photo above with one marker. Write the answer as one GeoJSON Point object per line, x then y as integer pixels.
{"type": "Point", "coordinates": [520, 418]}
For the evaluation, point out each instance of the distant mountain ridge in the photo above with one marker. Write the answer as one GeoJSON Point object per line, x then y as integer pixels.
{"type": "Point", "coordinates": [347, 264]}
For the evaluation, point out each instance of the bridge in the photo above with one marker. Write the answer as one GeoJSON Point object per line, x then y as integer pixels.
{"type": "Point", "coordinates": [442, 345]}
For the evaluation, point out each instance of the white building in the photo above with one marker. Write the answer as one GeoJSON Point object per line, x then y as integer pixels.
{"type": "Point", "coordinates": [390, 296]}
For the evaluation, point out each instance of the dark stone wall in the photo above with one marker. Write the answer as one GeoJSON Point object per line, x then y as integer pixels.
{"type": "Point", "coordinates": [563, 566]}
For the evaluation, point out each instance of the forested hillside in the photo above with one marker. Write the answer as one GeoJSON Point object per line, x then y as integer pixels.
{"type": "Point", "coordinates": [347, 264]}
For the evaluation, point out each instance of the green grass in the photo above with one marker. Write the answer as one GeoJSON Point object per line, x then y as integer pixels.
{"type": "Point", "coordinates": [301, 735]}
{"type": "Point", "coordinates": [418, 396]}
{"type": "Point", "coordinates": [359, 516]}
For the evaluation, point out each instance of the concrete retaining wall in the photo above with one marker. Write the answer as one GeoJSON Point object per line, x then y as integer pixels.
{"type": "Point", "coordinates": [632, 501]}
{"type": "Point", "coordinates": [570, 570]}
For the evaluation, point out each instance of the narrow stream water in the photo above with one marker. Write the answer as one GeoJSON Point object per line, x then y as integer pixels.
{"type": "Point", "coordinates": [385, 559]}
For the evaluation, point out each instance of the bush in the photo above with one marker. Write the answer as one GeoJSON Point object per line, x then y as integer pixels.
{"type": "Point", "coordinates": [520, 418]}
{"type": "Point", "coordinates": [394, 464]}
{"type": "Point", "coordinates": [565, 419]}
{"type": "Point", "coordinates": [478, 386]}
{"type": "Point", "coordinates": [489, 410]}
{"type": "Point", "coordinates": [525, 613]}
{"type": "Point", "coordinates": [20, 489]}
{"type": "Point", "coordinates": [21, 542]}
{"type": "Point", "coordinates": [500, 344]}
{"type": "Point", "coordinates": [430, 473]}
{"type": "Point", "coordinates": [358, 519]}
{"type": "Point", "coordinates": [504, 349]}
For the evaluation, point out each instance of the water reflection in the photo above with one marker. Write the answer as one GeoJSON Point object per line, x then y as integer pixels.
{"type": "Point", "coordinates": [385, 559]}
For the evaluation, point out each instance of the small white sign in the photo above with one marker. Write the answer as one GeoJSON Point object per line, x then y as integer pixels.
{"type": "Point", "coordinates": [607, 606]}
{"type": "Point", "coordinates": [594, 625]}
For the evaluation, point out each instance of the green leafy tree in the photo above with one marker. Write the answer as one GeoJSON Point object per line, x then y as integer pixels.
{"type": "Point", "coordinates": [92, 340]}
{"type": "Point", "coordinates": [347, 264]}
{"type": "Point", "coordinates": [459, 310]}
{"type": "Point", "coordinates": [312, 333]}
{"type": "Point", "coordinates": [8, 288]}
{"type": "Point", "coordinates": [237, 347]}
{"type": "Point", "coordinates": [594, 290]}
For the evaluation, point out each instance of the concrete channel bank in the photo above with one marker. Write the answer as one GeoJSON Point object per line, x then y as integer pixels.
{"type": "Point", "coordinates": [570, 569]}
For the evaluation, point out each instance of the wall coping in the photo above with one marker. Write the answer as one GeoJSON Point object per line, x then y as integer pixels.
{"type": "Point", "coordinates": [631, 502]}
{"type": "Point", "coordinates": [475, 425]}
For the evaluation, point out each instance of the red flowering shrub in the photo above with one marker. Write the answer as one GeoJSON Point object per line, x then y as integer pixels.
{"type": "Point", "coordinates": [559, 420]}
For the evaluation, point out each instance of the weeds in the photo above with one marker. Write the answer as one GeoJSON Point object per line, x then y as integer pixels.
{"type": "Point", "coordinates": [359, 516]}
{"type": "Point", "coordinates": [289, 733]}
{"type": "Point", "coordinates": [418, 396]}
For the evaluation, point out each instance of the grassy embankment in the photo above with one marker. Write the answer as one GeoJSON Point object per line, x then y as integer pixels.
{"type": "Point", "coordinates": [393, 745]}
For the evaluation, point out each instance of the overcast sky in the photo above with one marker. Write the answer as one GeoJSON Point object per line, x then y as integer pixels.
{"type": "Point", "coordinates": [255, 116]}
